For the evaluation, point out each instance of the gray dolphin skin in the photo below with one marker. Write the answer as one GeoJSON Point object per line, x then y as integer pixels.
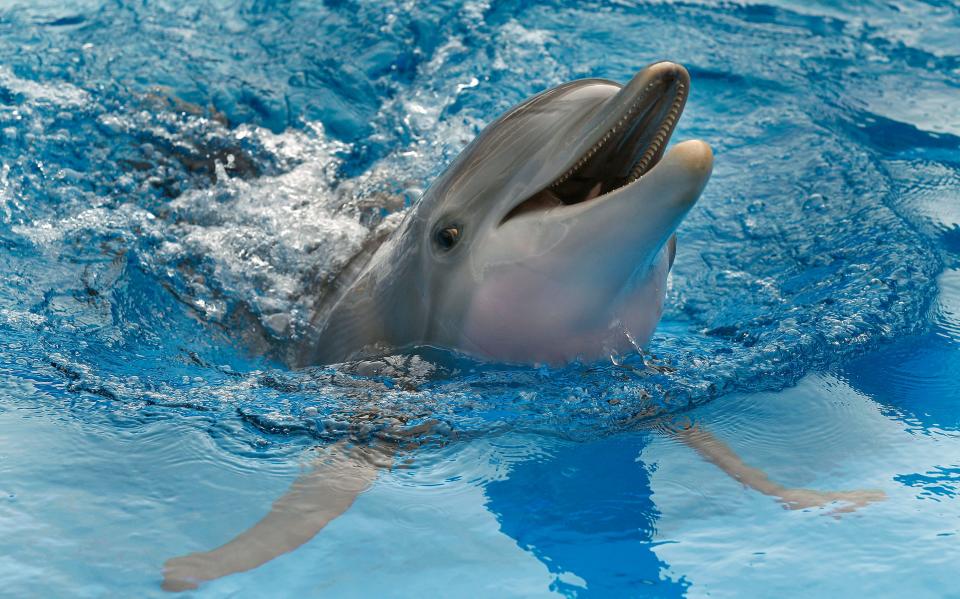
{"type": "Point", "coordinates": [548, 239]}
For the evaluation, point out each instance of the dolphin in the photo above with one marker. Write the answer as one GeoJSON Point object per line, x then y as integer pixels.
{"type": "Point", "coordinates": [548, 239]}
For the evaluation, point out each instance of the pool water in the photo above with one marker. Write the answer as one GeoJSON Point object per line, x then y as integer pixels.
{"type": "Point", "coordinates": [175, 177]}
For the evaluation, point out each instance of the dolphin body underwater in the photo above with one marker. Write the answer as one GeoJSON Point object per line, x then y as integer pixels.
{"type": "Point", "coordinates": [548, 239]}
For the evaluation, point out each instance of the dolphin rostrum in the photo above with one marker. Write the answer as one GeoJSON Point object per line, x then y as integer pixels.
{"type": "Point", "coordinates": [548, 239]}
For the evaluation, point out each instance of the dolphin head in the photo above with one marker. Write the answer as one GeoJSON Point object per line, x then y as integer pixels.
{"type": "Point", "coordinates": [549, 238]}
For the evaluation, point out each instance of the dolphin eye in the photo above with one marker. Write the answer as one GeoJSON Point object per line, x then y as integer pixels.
{"type": "Point", "coordinates": [447, 237]}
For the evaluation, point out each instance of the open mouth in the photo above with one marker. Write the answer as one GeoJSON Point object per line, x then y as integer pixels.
{"type": "Point", "coordinates": [630, 140]}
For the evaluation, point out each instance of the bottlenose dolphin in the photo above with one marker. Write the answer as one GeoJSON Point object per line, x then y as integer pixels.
{"type": "Point", "coordinates": [548, 239]}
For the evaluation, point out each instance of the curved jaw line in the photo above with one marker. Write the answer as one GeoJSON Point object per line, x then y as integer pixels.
{"type": "Point", "coordinates": [621, 143]}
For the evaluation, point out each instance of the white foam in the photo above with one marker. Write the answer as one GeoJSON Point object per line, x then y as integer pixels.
{"type": "Point", "coordinates": [268, 239]}
{"type": "Point", "coordinates": [59, 93]}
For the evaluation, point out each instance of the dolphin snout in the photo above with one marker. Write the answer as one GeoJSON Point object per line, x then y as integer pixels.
{"type": "Point", "coordinates": [667, 71]}
{"type": "Point", "coordinates": [665, 74]}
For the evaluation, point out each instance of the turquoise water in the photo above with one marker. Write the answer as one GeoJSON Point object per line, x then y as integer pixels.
{"type": "Point", "coordinates": [175, 177]}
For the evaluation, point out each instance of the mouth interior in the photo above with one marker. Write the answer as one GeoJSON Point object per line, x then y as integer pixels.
{"type": "Point", "coordinates": [628, 150]}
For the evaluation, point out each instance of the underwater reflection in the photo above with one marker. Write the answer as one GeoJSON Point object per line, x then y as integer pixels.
{"type": "Point", "coordinates": [915, 378]}
{"type": "Point", "coordinates": [586, 512]}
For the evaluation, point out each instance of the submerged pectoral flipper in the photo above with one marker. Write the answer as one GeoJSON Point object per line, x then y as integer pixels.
{"type": "Point", "coordinates": [318, 496]}
{"type": "Point", "coordinates": [721, 455]}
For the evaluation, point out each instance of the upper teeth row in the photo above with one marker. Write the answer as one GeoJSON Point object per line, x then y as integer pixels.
{"type": "Point", "coordinates": [650, 152]}
{"type": "Point", "coordinates": [668, 123]}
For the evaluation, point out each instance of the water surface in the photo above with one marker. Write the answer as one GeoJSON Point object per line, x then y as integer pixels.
{"type": "Point", "coordinates": [176, 177]}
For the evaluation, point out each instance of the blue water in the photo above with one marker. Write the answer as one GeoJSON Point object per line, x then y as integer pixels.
{"type": "Point", "coordinates": [176, 176]}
